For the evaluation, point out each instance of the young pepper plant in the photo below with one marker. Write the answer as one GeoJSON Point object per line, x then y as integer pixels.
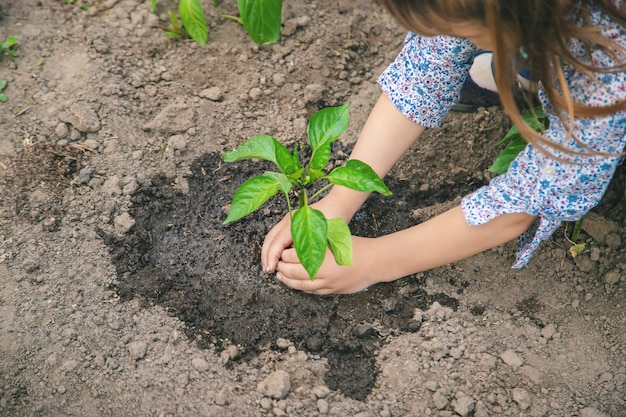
{"type": "Point", "coordinates": [312, 233]}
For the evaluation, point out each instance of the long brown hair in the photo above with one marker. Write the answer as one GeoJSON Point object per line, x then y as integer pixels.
{"type": "Point", "coordinates": [540, 29]}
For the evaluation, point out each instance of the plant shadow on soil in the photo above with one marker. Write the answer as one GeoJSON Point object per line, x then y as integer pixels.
{"type": "Point", "coordinates": [209, 275]}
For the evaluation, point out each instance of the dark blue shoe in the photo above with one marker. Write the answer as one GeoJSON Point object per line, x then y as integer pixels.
{"type": "Point", "coordinates": [479, 88]}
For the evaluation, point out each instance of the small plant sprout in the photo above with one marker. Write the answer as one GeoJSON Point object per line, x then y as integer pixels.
{"type": "Point", "coordinates": [193, 24]}
{"type": "Point", "coordinates": [3, 85]}
{"type": "Point", "coordinates": [260, 18]}
{"type": "Point", "coordinates": [8, 47]}
{"type": "Point", "coordinates": [312, 233]}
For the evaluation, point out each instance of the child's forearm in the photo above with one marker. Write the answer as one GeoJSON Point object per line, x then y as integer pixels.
{"type": "Point", "coordinates": [387, 134]}
{"type": "Point", "coordinates": [443, 239]}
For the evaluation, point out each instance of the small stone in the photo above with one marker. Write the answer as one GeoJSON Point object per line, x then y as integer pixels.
{"type": "Point", "coordinates": [594, 253]}
{"type": "Point", "coordinates": [84, 175]}
{"type": "Point", "coordinates": [70, 365]}
{"type": "Point", "coordinates": [548, 331]}
{"type": "Point", "coordinates": [200, 364]}
{"type": "Point", "coordinates": [588, 296]}
{"type": "Point", "coordinates": [320, 391]}
{"type": "Point", "coordinates": [279, 79]}
{"type": "Point", "coordinates": [123, 223]}
{"type": "Point", "coordinates": [439, 400]}
{"type": "Point", "coordinates": [613, 241]}
{"type": "Point", "coordinates": [137, 350]}
{"type": "Point", "coordinates": [61, 389]}
{"type": "Point", "coordinates": [82, 116]}
{"type": "Point", "coordinates": [62, 130]}
{"type": "Point", "coordinates": [598, 227]}
{"type": "Point", "coordinates": [283, 344]}
{"type": "Point", "coordinates": [431, 385]}
{"type": "Point", "coordinates": [266, 403]}
{"type": "Point", "coordinates": [464, 405]}
{"type": "Point", "coordinates": [276, 386]}
{"type": "Point", "coordinates": [612, 277]}
{"type": "Point", "coordinates": [322, 406]}
{"type": "Point", "coordinates": [91, 144]}
{"type": "Point", "coordinates": [522, 398]}
{"type": "Point", "coordinates": [512, 359]}
{"type": "Point", "coordinates": [584, 263]}
{"type": "Point", "coordinates": [234, 353]}
{"type": "Point", "coordinates": [255, 93]}
{"type": "Point", "coordinates": [313, 93]}
{"type": "Point", "coordinates": [212, 93]}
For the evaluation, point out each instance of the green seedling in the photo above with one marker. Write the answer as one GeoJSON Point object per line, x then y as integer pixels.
{"type": "Point", "coordinates": [192, 22]}
{"type": "Point", "coordinates": [3, 85]}
{"type": "Point", "coordinates": [8, 47]}
{"type": "Point", "coordinates": [260, 18]}
{"type": "Point", "coordinates": [312, 233]}
{"type": "Point", "coordinates": [83, 5]}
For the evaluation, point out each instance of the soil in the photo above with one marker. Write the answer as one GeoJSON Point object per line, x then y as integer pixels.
{"type": "Point", "coordinates": [122, 294]}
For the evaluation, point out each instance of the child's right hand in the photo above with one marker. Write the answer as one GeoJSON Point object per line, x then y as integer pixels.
{"type": "Point", "coordinates": [279, 238]}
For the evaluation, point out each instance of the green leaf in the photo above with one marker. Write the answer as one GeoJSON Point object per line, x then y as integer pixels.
{"type": "Point", "coordinates": [577, 249]}
{"type": "Point", "coordinates": [502, 162]}
{"type": "Point", "coordinates": [153, 5]}
{"type": "Point", "coordinates": [284, 184]}
{"type": "Point", "coordinates": [340, 241]}
{"type": "Point", "coordinates": [267, 148]}
{"type": "Point", "coordinates": [3, 85]}
{"type": "Point", "coordinates": [309, 231]}
{"type": "Point", "coordinates": [251, 195]}
{"type": "Point", "coordinates": [512, 134]}
{"type": "Point", "coordinates": [359, 176]}
{"type": "Point", "coordinates": [192, 15]}
{"type": "Point", "coordinates": [174, 22]}
{"type": "Point", "coordinates": [3, 98]}
{"type": "Point", "coordinates": [325, 127]}
{"type": "Point", "coordinates": [261, 19]}
{"type": "Point", "coordinates": [536, 119]}
{"type": "Point", "coordinates": [11, 40]}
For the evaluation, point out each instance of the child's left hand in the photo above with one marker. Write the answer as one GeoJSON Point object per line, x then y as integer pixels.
{"type": "Point", "coordinates": [331, 278]}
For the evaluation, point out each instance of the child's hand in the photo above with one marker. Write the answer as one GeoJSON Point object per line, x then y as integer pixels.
{"type": "Point", "coordinates": [276, 241]}
{"type": "Point", "coordinates": [331, 278]}
{"type": "Point", "coordinates": [279, 238]}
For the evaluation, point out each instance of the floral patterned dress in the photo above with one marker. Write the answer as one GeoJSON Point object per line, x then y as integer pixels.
{"type": "Point", "coordinates": [424, 82]}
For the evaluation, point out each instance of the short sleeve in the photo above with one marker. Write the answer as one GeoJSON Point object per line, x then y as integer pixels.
{"type": "Point", "coordinates": [425, 79]}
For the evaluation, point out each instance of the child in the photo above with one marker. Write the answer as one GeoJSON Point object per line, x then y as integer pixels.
{"type": "Point", "coordinates": [574, 48]}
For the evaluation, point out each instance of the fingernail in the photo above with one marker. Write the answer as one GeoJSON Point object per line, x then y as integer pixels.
{"type": "Point", "coordinates": [264, 269]}
{"type": "Point", "coordinates": [279, 276]}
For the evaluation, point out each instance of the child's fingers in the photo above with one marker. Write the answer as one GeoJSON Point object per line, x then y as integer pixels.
{"type": "Point", "coordinates": [295, 276]}
{"type": "Point", "coordinates": [275, 242]}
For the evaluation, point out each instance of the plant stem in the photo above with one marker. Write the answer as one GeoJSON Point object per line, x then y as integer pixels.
{"type": "Point", "coordinates": [576, 231]}
{"type": "Point", "coordinates": [289, 206]}
{"type": "Point", "coordinates": [228, 16]}
{"type": "Point", "coordinates": [324, 188]}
